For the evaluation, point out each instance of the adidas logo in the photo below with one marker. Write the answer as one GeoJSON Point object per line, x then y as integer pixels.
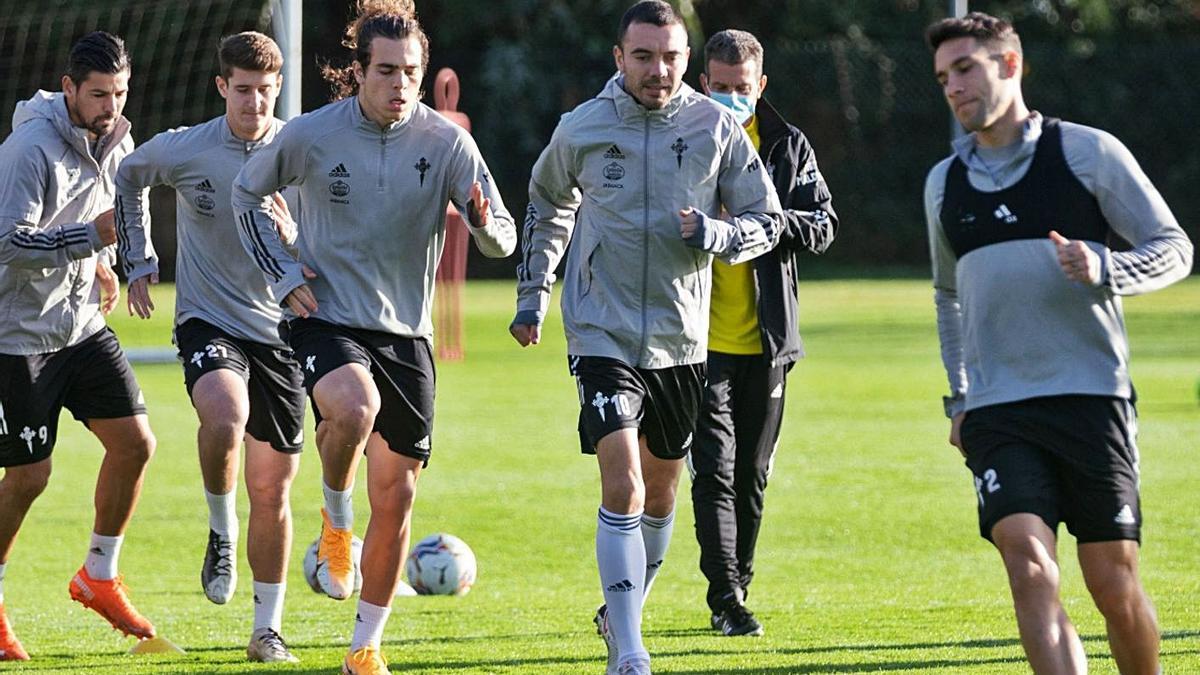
{"type": "Point", "coordinates": [1125, 516]}
{"type": "Point", "coordinates": [654, 565]}
{"type": "Point", "coordinates": [422, 444]}
{"type": "Point", "coordinates": [687, 443]}
{"type": "Point", "coordinates": [256, 600]}
{"type": "Point", "coordinates": [96, 550]}
{"type": "Point", "coordinates": [622, 586]}
{"type": "Point", "coordinates": [339, 171]}
{"type": "Point", "coordinates": [614, 152]}
{"type": "Point", "coordinates": [358, 618]}
{"type": "Point", "coordinates": [1003, 213]}
{"type": "Point", "coordinates": [83, 588]}
{"type": "Point", "coordinates": [206, 186]}
{"type": "Point", "coordinates": [777, 392]}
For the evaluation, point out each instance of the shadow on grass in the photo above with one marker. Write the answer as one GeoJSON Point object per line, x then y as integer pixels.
{"type": "Point", "coordinates": [229, 657]}
{"type": "Point", "coordinates": [910, 664]}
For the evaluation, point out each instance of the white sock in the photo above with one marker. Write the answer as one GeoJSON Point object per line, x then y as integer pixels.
{"type": "Point", "coordinates": [101, 562]}
{"type": "Point", "coordinates": [621, 557]}
{"type": "Point", "coordinates": [268, 605]}
{"type": "Point", "coordinates": [368, 625]}
{"type": "Point", "coordinates": [339, 506]}
{"type": "Point", "coordinates": [3, 567]}
{"type": "Point", "coordinates": [222, 514]}
{"type": "Point", "coordinates": [656, 533]}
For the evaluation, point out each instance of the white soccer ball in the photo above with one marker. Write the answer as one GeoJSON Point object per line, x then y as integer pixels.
{"type": "Point", "coordinates": [441, 564]}
{"type": "Point", "coordinates": [310, 564]}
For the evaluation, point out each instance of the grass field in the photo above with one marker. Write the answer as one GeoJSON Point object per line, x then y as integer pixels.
{"type": "Point", "coordinates": [869, 558]}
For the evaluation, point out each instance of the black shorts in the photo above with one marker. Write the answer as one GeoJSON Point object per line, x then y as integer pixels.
{"type": "Point", "coordinates": [271, 374]}
{"type": "Point", "coordinates": [661, 404]}
{"type": "Point", "coordinates": [1068, 459]}
{"type": "Point", "coordinates": [401, 367]}
{"type": "Point", "coordinates": [92, 379]}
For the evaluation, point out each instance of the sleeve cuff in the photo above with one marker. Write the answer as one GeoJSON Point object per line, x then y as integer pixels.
{"type": "Point", "coordinates": [954, 406]}
{"type": "Point", "coordinates": [528, 317]}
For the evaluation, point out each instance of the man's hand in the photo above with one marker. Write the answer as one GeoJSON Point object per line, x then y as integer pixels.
{"type": "Point", "coordinates": [282, 217]}
{"type": "Point", "coordinates": [301, 300]}
{"type": "Point", "coordinates": [1078, 262]}
{"type": "Point", "coordinates": [106, 228]}
{"type": "Point", "coordinates": [956, 432]}
{"type": "Point", "coordinates": [110, 288]}
{"type": "Point", "coordinates": [139, 301]}
{"type": "Point", "coordinates": [526, 334]}
{"type": "Point", "coordinates": [479, 208]}
{"type": "Point", "coordinates": [689, 220]}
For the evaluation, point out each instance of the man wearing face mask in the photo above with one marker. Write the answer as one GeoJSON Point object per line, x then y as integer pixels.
{"type": "Point", "coordinates": [752, 338]}
{"type": "Point", "coordinates": [639, 176]}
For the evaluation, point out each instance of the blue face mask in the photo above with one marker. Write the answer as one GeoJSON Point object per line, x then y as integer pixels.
{"type": "Point", "coordinates": [742, 106]}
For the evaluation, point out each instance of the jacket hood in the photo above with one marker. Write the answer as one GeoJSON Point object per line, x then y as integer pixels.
{"type": "Point", "coordinates": [52, 106]}
{"type": "Point", "coordinates": [628, 107]}
{"type": "Point", "coordinates": [44, 105]}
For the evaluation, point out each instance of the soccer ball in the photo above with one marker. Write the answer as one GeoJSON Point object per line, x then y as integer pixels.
{"type": "Point", "coordinates": [441, 564]}
{"type": "Point", "coordinates": [310, 564]}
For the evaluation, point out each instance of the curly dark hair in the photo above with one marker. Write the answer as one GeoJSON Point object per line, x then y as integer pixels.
{"type": "Point", "coordinates": [391, 19]}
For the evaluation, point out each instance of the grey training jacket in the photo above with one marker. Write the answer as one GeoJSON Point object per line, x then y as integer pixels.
{"type": "Point", "coordinates": [51, 189]}
{"type": "Point", "coordinates": [213, 280]}
{"type": "Point", "coordinates": [373, 212]}
{"type": "Point", "coordinates": [615, 176]}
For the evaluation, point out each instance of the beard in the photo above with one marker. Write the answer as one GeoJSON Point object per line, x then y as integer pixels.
{"type": "Point", "coordinates": [98, 125]}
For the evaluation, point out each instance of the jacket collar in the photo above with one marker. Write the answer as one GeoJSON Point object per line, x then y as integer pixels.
{"type": "Point", "coordinates": [964, 146]}
{"type": "Point", "coordinates": [629, 109]}
{"type": "Point", "coordinates": [54, 107]}
{"type": "Point", "coordinates": [771, 125]}
{"type": "Point", "coordinates": [229, 139]}
{"type": "Point", "coordinates": [366, 124]}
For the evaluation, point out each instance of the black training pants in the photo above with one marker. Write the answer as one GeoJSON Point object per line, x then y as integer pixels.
{"type": "Point", "coordinates": [736, 434]}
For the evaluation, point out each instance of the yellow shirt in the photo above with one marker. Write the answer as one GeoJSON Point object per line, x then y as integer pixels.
{"type": "Point", "coordinates": [733, 316]}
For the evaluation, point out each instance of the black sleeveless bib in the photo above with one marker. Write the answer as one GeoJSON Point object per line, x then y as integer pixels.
{"type": "Point", "coordinates": [1048, 197]}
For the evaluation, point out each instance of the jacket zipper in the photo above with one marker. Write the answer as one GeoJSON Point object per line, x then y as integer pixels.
{"type": "Point", "coordinates": [645, 233]}
{"type": "Point", "coordinates": [382, 159]}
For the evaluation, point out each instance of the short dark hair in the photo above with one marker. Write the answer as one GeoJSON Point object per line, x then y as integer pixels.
{"type": "Point", "coordinates": [98, 52]}
{"type": "Point", "coordinates": [249, 50]}
{"type": "Point", "coordinates": [733, 47]}
{"type": "Point", "coordinates": [653, 12]}
{"type": "Point", "coordinates": [390, 19]}
{"type": "Point", "coordinates": [983, 27]}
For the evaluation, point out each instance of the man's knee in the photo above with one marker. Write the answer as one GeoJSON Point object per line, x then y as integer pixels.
{"type": "Point", "coordinates": [1112, 580]}
{"type": "Point", "coordinates": [357, 414]}
{"type": "Point", "coordinates": [29, 481]}
{"type": "Point", "coordinates": [137, 444]}
{"type": "Point", "coordinates": [394, 498]}
{"type": "Point", "coordinates": [1026, 546]}
{"type": "Point", "coordinates": [625, 493]}
{"type": "Point", "coordinates": [267, 494]}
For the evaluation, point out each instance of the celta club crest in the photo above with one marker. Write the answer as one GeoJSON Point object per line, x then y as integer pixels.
{"type": "Point", "coordinates": [422, 166]}
{"type": "Point", "coordinates": [599, 402]}
{"type": "Point", "coordinates": [614, 171]}
{"type": "Point", "coordinates": [679, 147]}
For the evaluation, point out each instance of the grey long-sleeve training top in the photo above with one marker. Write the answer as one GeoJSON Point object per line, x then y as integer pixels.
{"type": "Point", "coordinates": [1012, 325]}
{"type": "Point", "coordinates": [213, 280]}
{"type": "Point", "coordinates": [373, 212]}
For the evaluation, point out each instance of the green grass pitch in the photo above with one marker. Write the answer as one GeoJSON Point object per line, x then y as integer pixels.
{"type": "Point", "coordinates": [869, 559]}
